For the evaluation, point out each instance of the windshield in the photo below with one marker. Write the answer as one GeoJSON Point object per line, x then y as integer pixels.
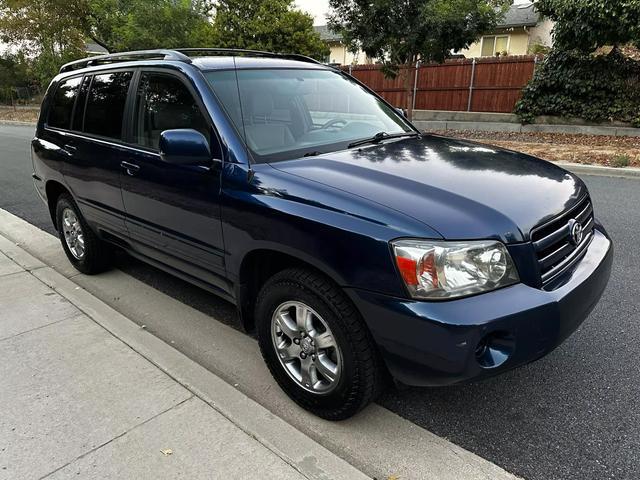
{"type": "Point", "coordinates": [287, 113]}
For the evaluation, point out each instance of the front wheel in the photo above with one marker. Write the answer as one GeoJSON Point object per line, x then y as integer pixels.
{"type": "Point", "coordinates": [316, 345]}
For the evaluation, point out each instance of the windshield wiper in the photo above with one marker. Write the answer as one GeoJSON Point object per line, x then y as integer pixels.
{"type": "Point", "coordinates": [378, 137]}
{"type": "Point", "coordinates": [312, 154]}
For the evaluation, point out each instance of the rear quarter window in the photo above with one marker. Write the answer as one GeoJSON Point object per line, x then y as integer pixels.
{"type": "Point", "coordinates": [62, 104]}
{"type": "Point", "coordinates": [106, 104]}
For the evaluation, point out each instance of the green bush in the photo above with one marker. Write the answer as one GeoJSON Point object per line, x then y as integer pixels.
{"type": "Point", "coordinates": [595, 88]}
{"type": "Point", "coordinates": [621, 161]}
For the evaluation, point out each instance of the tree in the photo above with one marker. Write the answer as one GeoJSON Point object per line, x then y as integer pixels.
{"type": "Point", "coordinates": [121, 25]}
{"type": "Point", "coordinates": [53, 32]}
{"type": "Point", "coordinates": [401, 32]}
{"type": "Point", "coordinates": [272, 25]}
{"type": "Point", "coordinates": [586, 25]}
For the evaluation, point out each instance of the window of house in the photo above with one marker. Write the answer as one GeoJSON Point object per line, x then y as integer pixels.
{"type": "Point", "coordinates": [106, 103]}
{"type": "Point", "coordinates": [494, 44]}
{"type": "Point", "coordinates": [63, 101]}
{"type": "Point", "coordinates": [163, 102]}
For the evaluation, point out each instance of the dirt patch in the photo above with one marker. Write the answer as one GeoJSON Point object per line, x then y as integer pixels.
{"type": "Point", "coordinates": [556, 147]}
{"type": "Point", "coordinates": [19, 114]}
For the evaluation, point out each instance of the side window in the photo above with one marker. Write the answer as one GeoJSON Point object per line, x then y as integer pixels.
{"type": "Point", "coordinates": [78, 115]}
{"type": "Point", "coordinates": [105, 104]}
{"type": "Point", "coordinates": [163, 102]}
{"type": "Point", "coordinates": [63, 101]}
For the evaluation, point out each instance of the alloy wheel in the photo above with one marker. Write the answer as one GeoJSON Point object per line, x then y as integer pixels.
{"type": "Point", "coordinates": [306, 347]}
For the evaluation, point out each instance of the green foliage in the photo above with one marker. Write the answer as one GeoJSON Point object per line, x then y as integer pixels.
{"type": "Point", "coordinates": [539, 49]}
{"type": "Point", "coordinates": [121, 25]}
{"type": "Point", "coordinates": [621, 161]}
{"type": "Point", "coordinates": [400, 32]}
{"type": "Point", "coordinates": [588, 24]}
{"type": "Point", "coordinates": [13, 71]}
{"type": "Point", "coordinates": [51, 30]}
{"type": "Point", "coordinates": [592, 87]}
{"type": "Point", "coordinates": [272, 25]}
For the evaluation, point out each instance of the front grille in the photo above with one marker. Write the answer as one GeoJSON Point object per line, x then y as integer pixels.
{"type": "Point", "coordinates": [554, 244]}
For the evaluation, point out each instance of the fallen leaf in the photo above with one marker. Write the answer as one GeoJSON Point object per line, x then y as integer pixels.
{"type": "Point", "coordinates": [167, 451]}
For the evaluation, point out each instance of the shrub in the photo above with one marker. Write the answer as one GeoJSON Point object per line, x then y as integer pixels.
{"type": "Point", "coordinates": [592, 87]}
{"type": "Point", "coordinates": [621, 161]}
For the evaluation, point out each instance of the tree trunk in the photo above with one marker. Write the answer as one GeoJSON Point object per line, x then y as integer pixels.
{"type": "Point", "coordinates": [408, 88]}
{"type": "Point", "coordinates": [409, 80]}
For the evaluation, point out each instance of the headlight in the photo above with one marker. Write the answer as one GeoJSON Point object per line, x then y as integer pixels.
{"type": "Point", "coordinates": [443, 270]}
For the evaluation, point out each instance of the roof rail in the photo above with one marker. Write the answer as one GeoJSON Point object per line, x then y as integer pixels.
{"type": "Point", "coordinates": [179, 54]}
{"type": "Point", "coordinates": [243, 51]}
{"type": "Point", "coordinates": [125, 57]}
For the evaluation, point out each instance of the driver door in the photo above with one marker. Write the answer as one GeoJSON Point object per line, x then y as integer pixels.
{"type": "Point", "coordinates": [173, 211]}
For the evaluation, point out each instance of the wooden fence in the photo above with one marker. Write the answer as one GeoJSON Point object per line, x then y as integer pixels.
{"type": "Point", "coordinates": [478, 85]}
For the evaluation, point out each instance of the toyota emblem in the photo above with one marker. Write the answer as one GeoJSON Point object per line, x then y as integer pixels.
{"type": "Point", "coordinates": [577, 232]}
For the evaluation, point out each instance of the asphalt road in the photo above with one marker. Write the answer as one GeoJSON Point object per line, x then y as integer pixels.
{"type": "Point", "coordinates": [572, 415]}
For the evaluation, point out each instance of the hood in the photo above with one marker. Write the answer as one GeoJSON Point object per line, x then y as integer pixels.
{"type": "Point", "coordinates": [461, 189]}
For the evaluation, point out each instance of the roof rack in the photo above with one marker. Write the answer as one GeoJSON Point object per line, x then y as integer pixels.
{"type": "Point", "coordinates": [179, 54]}
{"type": "Point", "coordinates": [254, 53]}
{"type": "Point", "coordinates": [125, 57]}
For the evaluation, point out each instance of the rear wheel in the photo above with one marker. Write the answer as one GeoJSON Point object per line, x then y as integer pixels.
{"type": "Point", "coordinates": [86, 252]}
{"type": "Point", "coordinates": [316, 345]}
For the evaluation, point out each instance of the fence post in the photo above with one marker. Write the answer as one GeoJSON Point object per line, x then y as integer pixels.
{"type": "Point", "coordinates": [350, 68]}
{"type": "Point", "coordinates": [415, 86]}
{"type": "Point", "coordinates": [473, 78]}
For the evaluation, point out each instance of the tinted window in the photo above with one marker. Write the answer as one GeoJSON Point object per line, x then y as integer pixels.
{"type": "Point", "coordinates": [78, 116]}
{"type": "Point", "coordinates": [105, 104]}
{"type": "Point", "coordinates": [62, 105]}
{"type": "Point", "coordinates": [163, 102]}
{"type": "Point", "coordinates": [225, 86]}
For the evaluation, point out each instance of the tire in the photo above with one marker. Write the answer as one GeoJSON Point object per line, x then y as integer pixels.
{"type": "Point", "coordinates": [353, 362]}
{"type": "Point", "coordinates": [95, 256]}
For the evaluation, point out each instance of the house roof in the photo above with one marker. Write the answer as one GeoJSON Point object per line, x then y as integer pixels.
{"type": "Point", "coordinates": [327, 35]}
{"type": "Point", "coordinates": [520, 15]}
{"type": "Point", "coordinates": [91, 47]}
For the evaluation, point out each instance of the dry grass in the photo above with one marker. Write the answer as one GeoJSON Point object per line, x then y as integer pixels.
{"type": "Point", "coordinates": [585, 149]}
{"type": "Point", "coordinates": [19, 114]}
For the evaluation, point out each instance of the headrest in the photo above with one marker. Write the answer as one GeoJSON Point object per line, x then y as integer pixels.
{"type": "Point", "coordinates": [262, 105]}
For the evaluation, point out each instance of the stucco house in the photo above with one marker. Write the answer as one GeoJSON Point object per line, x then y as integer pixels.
{"type": "Point", "coordinates": [340, 55]}
{"type": "Point", "coordinates": [521, 28]}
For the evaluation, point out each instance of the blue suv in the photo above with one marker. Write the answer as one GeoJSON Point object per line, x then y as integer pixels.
{"type": "Point", "coordinates": [354, 245]}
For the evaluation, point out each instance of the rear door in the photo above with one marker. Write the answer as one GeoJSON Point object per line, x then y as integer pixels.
{"type": "Point", "coordinates": [173, 211]}
{"type": "Point", "coordinates": [97, 149]}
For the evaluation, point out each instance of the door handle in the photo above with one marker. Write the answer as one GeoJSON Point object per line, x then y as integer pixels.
{"type": "Point", "coordinates": [69, 149]}
{"type": "Point", "coordinates": [130, 168]}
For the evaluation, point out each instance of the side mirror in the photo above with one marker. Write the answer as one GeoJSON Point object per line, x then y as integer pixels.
{"type": "Point", "coordinates": [402, 112]}
{"type": "Point", "coordinates": [184, 147]}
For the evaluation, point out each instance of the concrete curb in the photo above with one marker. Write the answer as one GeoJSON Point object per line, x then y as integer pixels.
{"type": "Point", "coordinates": [305, 455]}
{"type": "Point", "coordinates": [518, 128]}
{"type": "Point", "coordinates": [377, 442]}
{"type": "Point", "coordinates": [580, 169]}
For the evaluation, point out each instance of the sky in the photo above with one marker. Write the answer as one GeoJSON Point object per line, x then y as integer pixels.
{"type": "Point", "coordinates": [319, 8]}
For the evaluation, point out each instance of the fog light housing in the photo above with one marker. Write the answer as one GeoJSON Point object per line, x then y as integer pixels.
{"type": "Point", "coordinates": [494, 349]}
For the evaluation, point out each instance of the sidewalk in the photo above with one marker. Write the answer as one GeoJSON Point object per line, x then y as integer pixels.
{"type": "Point", "coordinates": [224, 368]}
{"type": "Point", "coordinates": [77, 402]}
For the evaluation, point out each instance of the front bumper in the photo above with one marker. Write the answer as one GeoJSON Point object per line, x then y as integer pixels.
{"type": "Point", "coordinates": [437, 343]}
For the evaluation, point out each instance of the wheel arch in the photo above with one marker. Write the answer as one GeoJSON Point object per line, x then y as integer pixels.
{"type": "Point", "coordinates": [53, 190]}
{"type": "Point", "coordinates": [257, 267]}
